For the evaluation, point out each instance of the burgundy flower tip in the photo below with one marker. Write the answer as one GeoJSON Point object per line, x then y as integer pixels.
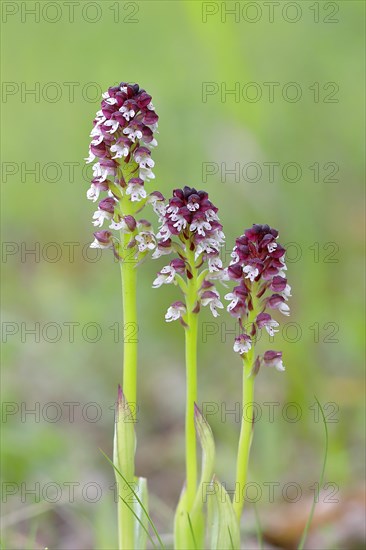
{"type": "Point", "coordinates": [150, 118]}
{"type": "Point", "coordinates": [156, 194]}
{"type": "Point", "coordinates": [206, 284]}
{"type": "Point", "coordinates": [120, 395]}
{"type": "Point", "coordinates": [207, 294]}
{"type": "Point", "coordinates": [257, 232]}
{"type": "Point", "coordinates": [256, 366]}
{"type": "Point", "coordinates": [270, 355]}
{"type": "Point", "coordinates": [165, 244]}
{"type": "Point", "coordinates": [276, 301]}
{"type": "Point", "coordinates": [136, 181]}
{"type": "Point", "coordinates": [179, 303]}
{"type": "Point", "coordinates": [178, 264]}
{"type": "Point", "coordinates": [103, 236]}
{"type": "Point", "coordinates": [263, 318]}
{"type": "Point", "coordinates": [197, 411]}
{"type": "Point", "coordinates": [235, 271]}
{"type": "Point", "coordinates": [107, 205]}
{"type": "Point", "coordinates": [274, 359]}
{"type": "Point", "coordinates": [130, 222]}
{"type": "Point", "coordinates": [144, 223]}
{"type": "Point", "coordinates": [278, 284]}
{"type": "Point", "coordinates": [103, 239]}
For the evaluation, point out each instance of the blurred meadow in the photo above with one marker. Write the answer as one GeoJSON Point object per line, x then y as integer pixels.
{"type": "Point", "coordinates": [290, 154]}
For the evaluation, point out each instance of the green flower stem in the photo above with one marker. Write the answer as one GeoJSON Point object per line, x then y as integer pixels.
{"type": "Point", "coordinates": [191, 333]}
{"type": "Point", "coordinates": [246, 432]}
{"type": "Point", "coordinates": [129, 279]}
{"type": "Point", "coordinates": [191, 399]}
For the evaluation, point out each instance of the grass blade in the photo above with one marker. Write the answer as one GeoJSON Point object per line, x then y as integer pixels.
{"type": "Point", "coordinates": [192, 532]}
{"type": "Point", "coordinates": [138, 519]}
{"type": "Point", "coordinates": [321, 480]}
{"type": "Point", "coordinates": [138, 500]}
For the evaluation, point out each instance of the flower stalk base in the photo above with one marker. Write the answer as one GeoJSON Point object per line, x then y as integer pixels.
{"type": "Point", "coordinates": [246, 435]}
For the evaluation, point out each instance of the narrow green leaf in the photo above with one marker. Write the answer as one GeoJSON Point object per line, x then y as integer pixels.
{"type": "Point", "coordinates": [223, 524]}
{"type": "Point", "coordinates": [206, 439]}
{"type": "Point", "coordinates": [231, 539]}
{"type": "Point", "coordinates": [321, 479]}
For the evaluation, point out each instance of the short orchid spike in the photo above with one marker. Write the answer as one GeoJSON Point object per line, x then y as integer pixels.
{"type": "Point", "coordinates": [190, 228]}
{"type": "Point", "coordinates": [259, 269]}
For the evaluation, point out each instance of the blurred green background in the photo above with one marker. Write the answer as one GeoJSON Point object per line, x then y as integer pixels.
{"type": "Point", "coordinates": [173, 49]}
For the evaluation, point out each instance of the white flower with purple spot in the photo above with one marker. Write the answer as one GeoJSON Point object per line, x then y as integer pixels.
{"type": "Point", "coordinates": [93, 193]}
{"type": "Point", "coordinates": [165, 276]}
{"type": "Point", "coordinates": [211, 298]}
{"type": "Point", "coordinates": [201, 226]}
{"type": "Point", "coordinates": [121, 150]}
{"type": "Point", "coordinates": [146, 241]}
{"type": "Point", "coordinates": [214, 263]}
{"type": "Point", "coordinates": [113, 125]}
{"type": "Point", "coordinates": [234, 300]}
{"type": "Point", "coordinates": [175, 311]}
{"type": "Point", "coordinates": [251, 272]}
{"type": "Point", "coordinates": [99, 216]}
{"type": "Point", "coordinates": [135, 188]}
{"type": "Point", "coordinates": [266, 321]}
{"type": "Point", "coordinates": [242, 344]}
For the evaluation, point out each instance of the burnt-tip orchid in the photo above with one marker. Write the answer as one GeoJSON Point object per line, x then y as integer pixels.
{"type": "Point", "coordinates": [120, 149]}
{"type": "Point", "coordinates": [191, 230]}
{"type": "Point", "coordinates": [259, 270]}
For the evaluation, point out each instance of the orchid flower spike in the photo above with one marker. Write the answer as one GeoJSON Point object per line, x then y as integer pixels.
{"type": "Point", "coordinates": [123, 136]}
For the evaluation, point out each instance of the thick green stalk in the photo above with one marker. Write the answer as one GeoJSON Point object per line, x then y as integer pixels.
{"type": "Point", "coordinates": [125, 517]}
{"type": "Point", "coordinates": [191, 333]}
{"type": "Point", "coordinates": [191, 399]}
{"type": "Point", "coordinates": [246, 432]}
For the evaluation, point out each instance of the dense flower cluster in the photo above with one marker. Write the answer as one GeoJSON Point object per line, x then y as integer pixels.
{"type": "Point", "coordinates": [191, 228]}
{"type": "Point", "coordinates": [258, 266]}
{"type": "Point", "coordinates": [122, 137]}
